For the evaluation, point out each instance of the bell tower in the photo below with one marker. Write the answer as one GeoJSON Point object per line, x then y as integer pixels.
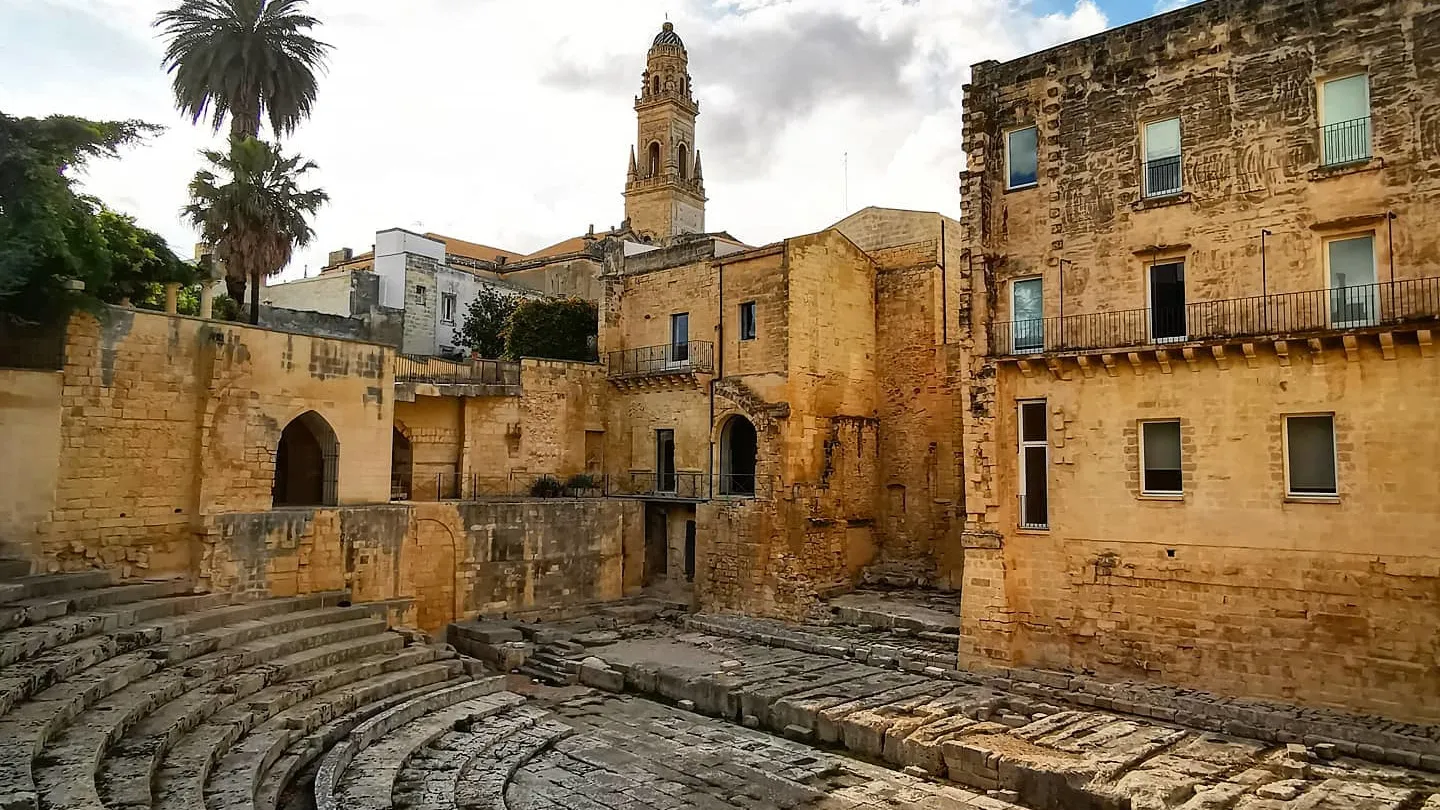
{"type": "Point", "coordinates": [665, 188]}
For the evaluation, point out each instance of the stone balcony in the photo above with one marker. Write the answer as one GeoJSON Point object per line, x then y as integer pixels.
{"type": "Point", "coordinates": [668, 364]}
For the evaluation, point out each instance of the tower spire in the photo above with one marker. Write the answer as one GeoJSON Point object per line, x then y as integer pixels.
{"type": "Point", "coordinates": [664, 189]}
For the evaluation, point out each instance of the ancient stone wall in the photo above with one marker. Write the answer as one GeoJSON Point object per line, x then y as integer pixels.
{"type": "Point", "coordinates": [451, 560]}
{"type": "Point", "coordinates": [30, 455]}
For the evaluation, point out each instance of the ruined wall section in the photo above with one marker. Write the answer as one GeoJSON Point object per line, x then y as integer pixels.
{"type": "Point", "coordinates": [30, 404]}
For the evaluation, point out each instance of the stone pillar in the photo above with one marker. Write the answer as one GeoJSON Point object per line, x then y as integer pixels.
{"type": "Point", "coordinates": [172, 297]}
{"type": "Point", "coordinates": [207, 299]}
{"type": "Point", "coordinates": [987, 620]}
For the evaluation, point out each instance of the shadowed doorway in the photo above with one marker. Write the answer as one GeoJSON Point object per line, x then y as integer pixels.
{"type": "Point", "coordinates": [737, 457]}
{"type": "Point", "coordinates": [306, 463]}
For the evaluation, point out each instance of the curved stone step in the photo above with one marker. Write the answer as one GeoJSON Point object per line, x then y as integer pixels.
{"type": "Point", "coordinates": [127, 770]}
{"type": "Point", "coordinates": [236, 779]}
{"type": "Point", "coordinates": [481, 785]}
{"type": "Point", "coordinates": [431, 778]}
{"type": "Point", "coordinates": [67, 779]}
{"type": "Point", "coordinates": [38, 585]}
{"type": "Point", "coordinates": [297, 755]}
{"type": "Point", "coordinates": [78, 675]}
{"type": "Point", "coordinates": [36, 609]}
{"type": "Point", "coordinates": [369, 782]}
{"type": "Point", "coordinates": [26, 642]}
{"type": "Point", "coordinates": [338, 758]}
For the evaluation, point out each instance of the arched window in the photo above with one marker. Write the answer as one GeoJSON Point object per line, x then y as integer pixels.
{"type": "Point", "coordinates": [654, 159]}
{"type": "Point", "coordinates": [401, 473]}
{"type": "Point", "coordinates": [737, 457]}
{"type": "Point", "coordinates": [655, 86]}
{"type": "Point", "coordinates": [684, 161]}
{"type": "Point", "coordinates": [307, 463]}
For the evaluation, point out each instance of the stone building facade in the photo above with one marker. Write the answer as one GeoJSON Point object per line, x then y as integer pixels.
{"type": "Point", "coordinates": [1192, 401]}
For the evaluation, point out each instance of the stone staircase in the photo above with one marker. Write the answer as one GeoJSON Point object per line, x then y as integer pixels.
{"type": "Point", "coordinates": [144, 694]}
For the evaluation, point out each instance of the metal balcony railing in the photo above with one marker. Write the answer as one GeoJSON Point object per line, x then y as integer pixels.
{"type": "Point", "coordinates": [454, 486]}
{"type": "Point", "coordinates": [1345, 142]}
{"type": "Point", "coordinates": [682, 486]}
{"type": "Point", "coordinates": [1162, 176]}
{"type": "Point", "coordinates": [443, 372]}
{"type": "Point", "coordinates": [691, 357]}
{"type": "Point", "coordinates": [1281, 314]}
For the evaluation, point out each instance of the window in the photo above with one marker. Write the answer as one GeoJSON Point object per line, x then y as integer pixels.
{"type": "Point", "coordinates": [1167, 302]}
{"type": "Point", "coordinates": [1345, 120]}
{"type": "Point", "coordinates": [747, 320]}
{"type": "Point", "coordinates": [1162, 157]}
{"type": "Point", "coordinates": [1160, 458]}
{"type": "Point", "coordinates": [1354, 299]}
{"type": "Point", "coordinates": [1310, 456]}
{"type": "Point", "coordinates": [1022, 162]}
{"type": "Point", "coordinates": [1027, 315]}
{"type": "Point", "coordinates": [665, 479]}
{"type": "Point", "coordinates": [447, 307]}
{"type": "Point", "coordinates": [1034, 464]}
{"type": "Point", "coordinates": [654, 164]}
{"type": "Point", "coordinates": [680, 337]}
{"type": "Point", "coordinates": [684, 161]}
{"type": "Point", "coordinates": [420, 290]}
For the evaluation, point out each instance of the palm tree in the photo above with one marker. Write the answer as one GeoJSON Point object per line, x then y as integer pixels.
{"type": "Point", "coordinates": [245, 59]}
{"type": "Point", "coordinates": [250, 207]}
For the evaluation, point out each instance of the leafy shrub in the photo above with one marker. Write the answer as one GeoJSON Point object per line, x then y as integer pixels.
{"type": "Point", "coordinates": [547, 487]}
{"type": "Point", "coordinates": [583, 481]}
{"type": "Point", "coordinates": [553, 328]}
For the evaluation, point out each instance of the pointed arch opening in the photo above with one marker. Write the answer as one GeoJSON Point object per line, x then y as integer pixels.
{"type": "Point", "coordinates": [738, 451]}
{"type": "Point", "coordinates": [684, 161]}
{"type": "Point", "coordinates": [654, 159]}
{"type": "Point", "coordinates": [655, 86]}
{"type": "Point", "coordinates": [307, 463]}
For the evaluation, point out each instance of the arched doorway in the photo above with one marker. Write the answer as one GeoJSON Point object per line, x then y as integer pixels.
{"type": "Point", "coordinates": [400, 470]}
{"type": "Point", "coordinates": [737, 457]}
{"type": "Point", "coordinates": [306, 463]}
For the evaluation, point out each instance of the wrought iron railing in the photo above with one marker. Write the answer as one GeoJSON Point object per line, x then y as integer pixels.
{"type": "Point", "coordinates": [691, 357]}
{"type": "Point", "coordinates": [1162, 176]}
{"type": "Point", "coordinates": [1345, 142]}
{"type": "Point", "coordinates": [453, 486]}
{"type": "Point", "coordinates": [1032, 515]}
{"type": "Point", "coordinates": [684, 486]}
{"type": "Point", "coordinates": [1281, 314]}
{"type": "Point", "coordinates": [39, 347]}
{"type": "Point", "coordinates": [471, 372]}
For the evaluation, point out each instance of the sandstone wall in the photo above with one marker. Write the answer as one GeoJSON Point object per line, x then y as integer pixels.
{"type": "Point", "coordinates": [167, 419]}
{"type": "Point", "coordinates": [30, 455]}
{"type": "Point", "coordinates": [451, 560]}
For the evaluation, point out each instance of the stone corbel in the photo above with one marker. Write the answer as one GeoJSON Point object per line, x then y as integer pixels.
{"type": "Point", "coordinates": [1087, 369]}
{"type": "Point", "coordinates": [1056, 367]}
{"type": "Point", "coordinates": [1162, 357]}
{"type": "Point", "coordinates": [1317, 351]}
{"type": "Point", "coordinates": [1109, 361]}
{"type": "Point", "coordinates": [1387, 345]}
{"type": "Point", "coordinates": [1191, 359]}
{"type": "Point", "coordinates": [1221, 359]}
{"type": "Point", "coordinates": [1248, 349]}
{"type": "Point", "coordinates": [1422, 337]}
{"type": "Point", "coordinates": [1352, 348]}
{"type": "Point", "coordinates": [1282, 352]}
{"type": "Point", "coordinates": [1136, 363]}
{"type": "Point", "coordinates": [1025, 369]}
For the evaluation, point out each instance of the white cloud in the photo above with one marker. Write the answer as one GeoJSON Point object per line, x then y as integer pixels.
{"type": "Point", "coordinates": [510, 122]}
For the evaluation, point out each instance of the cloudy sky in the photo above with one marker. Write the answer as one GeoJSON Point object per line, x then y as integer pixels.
{"type": "Point", "coordinates": [509, 122]}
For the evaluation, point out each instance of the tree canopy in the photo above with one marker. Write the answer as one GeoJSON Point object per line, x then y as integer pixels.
{"type": "Point", "coordinates": [486, 322]}
{"type": "Point", "coordinates": [245, 60]}
{"type": "Point", "coordinates": [51, 234]}
{"type": "Point", "coordinates": [555, 328]}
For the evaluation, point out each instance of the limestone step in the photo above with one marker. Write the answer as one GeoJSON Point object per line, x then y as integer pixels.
{"type": "Point", "coordinates": [39, 608]}
{"type": "Point", "coordinates": [288, 773]}
{"type": "Point", "coordinates": [338, 759]}
{"type": "Point", "coordinates": [431, 777]}
{"type": "Point", "coordinates": [56, 687]}
{"type": "Point", "coordinates": [126, 772]}
{"type": "Point", "coordinates": [37, 585]}
{"type": "Point", "coordinates": [66, 780]}
{"type": "Point", "coordinates": [14, 567]}
{"type": "Point", "coordinates": [369, 783]}
{"type": "Point", "coordinates": [482, 782]}
{"type": "Point", "coordinates": [28, 641]}
{"type": "Point", "coordinates": [237, 777]}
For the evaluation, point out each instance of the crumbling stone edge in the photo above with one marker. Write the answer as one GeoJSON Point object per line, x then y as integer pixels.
{"type": "Point", "coordinates": [1366, 737]}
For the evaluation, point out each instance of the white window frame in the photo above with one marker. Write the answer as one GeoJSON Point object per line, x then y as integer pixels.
{"type": "Point", "coordinates": [1023, 445]}
{"type": "Point", "coordinates": [1145, 190]}
{"type": "Point", "coordinates": [1015, 320]}
{"type": "Point", "coordinates": [1329, 275]}
{"type": "Point", "coordinates": [1369, 115]}
{"type": "Point", "coordinates": [1184, 261]}
{"type": "Point", "coordinates": [1290, 494]}
{"type": "Point", "coordinates": [1007, 134]}
{"type": "Point", "coordinates": [1162, 493]}
{"type": "Point", "coordinates": [453, 300]}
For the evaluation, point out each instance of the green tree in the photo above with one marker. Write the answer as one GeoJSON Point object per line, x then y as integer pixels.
{"type": "Point", "coordinates": [555, 328]}
{"type": "Point", "coordinates": [486, 321]}
{"type": "Point", "coordinates": [250, 206]}
{"type": "Point", "coordinates": [243, 59]}
{"type": "Point", "coordinates": [50, 234]}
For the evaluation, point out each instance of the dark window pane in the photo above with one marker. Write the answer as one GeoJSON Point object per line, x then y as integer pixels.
{"type": "Point", "coordinates": [1032, 421]}
{"type": "Point", "coordinates": [1022, 147]}
{"type": "Point", "coordinates": [1035, 505]}
{"type": "Point", "coordinates": [1311, 446]}
{"type": "Point", "coordinates": [1162, 456]}
{"type": "Point", "coordinates": [747, 320]}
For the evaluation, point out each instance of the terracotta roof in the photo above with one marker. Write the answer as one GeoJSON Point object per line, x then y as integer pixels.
{"type": "Point", "coordinates": [572, 245]}
{"type": "Point", "coordinates": [474, 250]}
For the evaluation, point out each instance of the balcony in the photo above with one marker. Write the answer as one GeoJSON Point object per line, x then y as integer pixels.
{"type": "Point", "coordinates": [675, 361]}
{"type": "Point", "coordinates": [1281, 316]}
{"type": "Point", "coordinates": [1162, 177]}
{"type": "Point", "coordinates": [432, 376]}
{"type": "Point", "coordinates": [672, 486]}
{"type": "Point", "coordinates": [1345, 142]}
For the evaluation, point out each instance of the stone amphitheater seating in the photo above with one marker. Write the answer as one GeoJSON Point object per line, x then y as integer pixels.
{"type": "Point", "coordinates": [147, 695]}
